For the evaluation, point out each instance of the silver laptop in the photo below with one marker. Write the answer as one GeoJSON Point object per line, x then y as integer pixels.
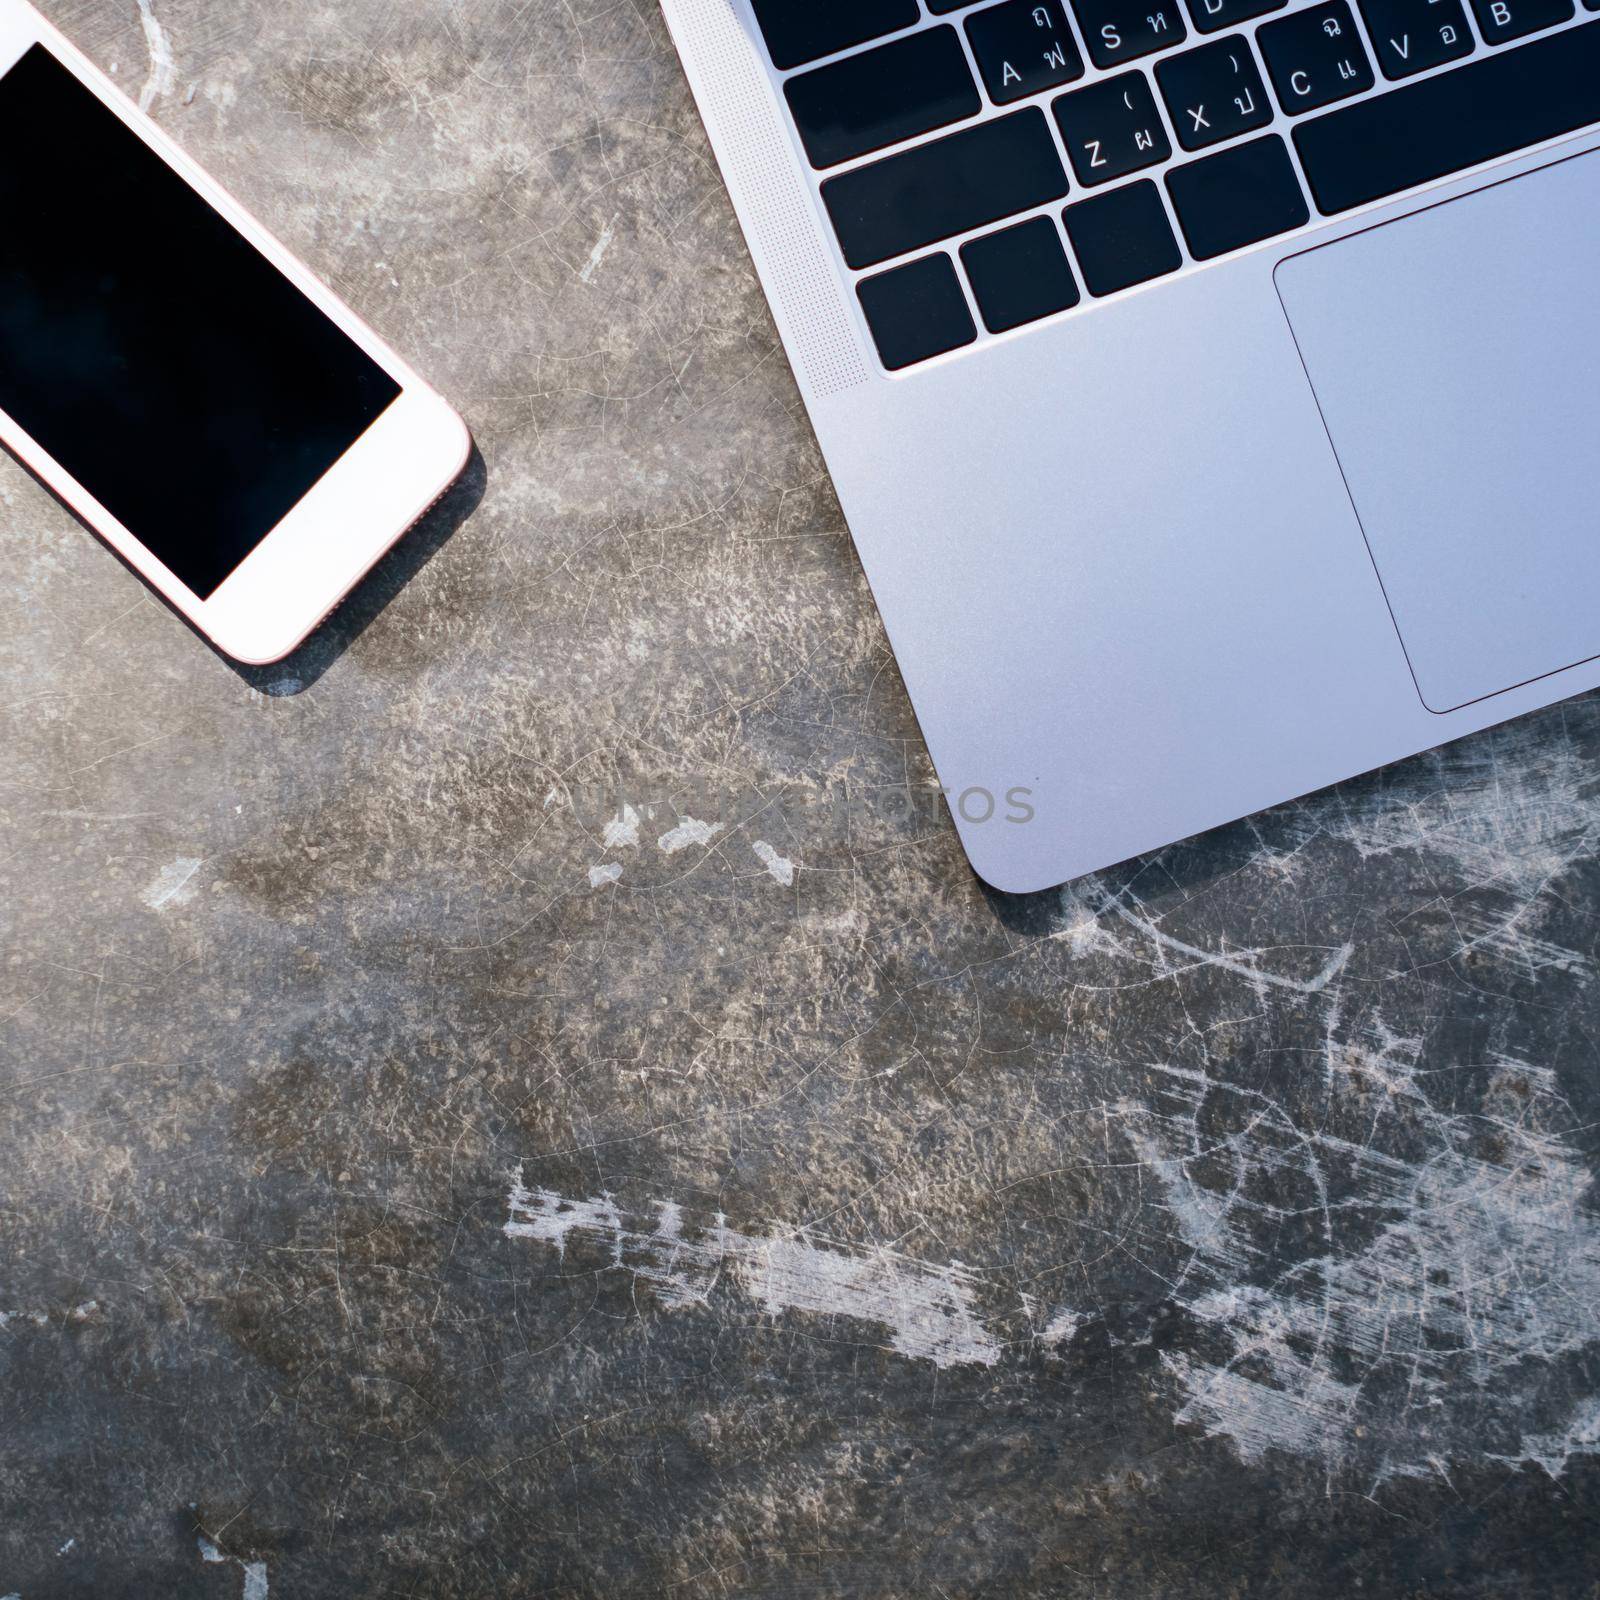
{"type": "Point", "coordinates": [1212, 386]}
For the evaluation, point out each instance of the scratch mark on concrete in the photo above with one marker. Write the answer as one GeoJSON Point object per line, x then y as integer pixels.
{"type": "Point", "coordinates": [174, 884]}
{"type": "Point", "coordinates": [1514, 825]}
{"type": "Point", "coordinates": [1509, 938]}
{"type": "Point", "coordinates": [1246, 964]}
{"type": "Point", "coordinates": [1554, 1450]}
{"type": "Point", "coordinates": [1454, 1262]}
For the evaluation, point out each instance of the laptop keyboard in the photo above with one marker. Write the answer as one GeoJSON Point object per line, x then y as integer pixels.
{"type": "Point", "coordinates": [1154, 131]}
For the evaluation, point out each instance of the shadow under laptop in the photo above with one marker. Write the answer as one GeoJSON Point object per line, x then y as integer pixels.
{"type": "Point", "coordinates": [1176, 872]}
{"type": "Point", "coordinates": [1365, 804]}
{"type": "Point", "coordinates": [370, 598]}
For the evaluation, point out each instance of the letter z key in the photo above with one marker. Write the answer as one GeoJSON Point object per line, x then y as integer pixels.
{"type": "Point", "coordinates": [1112, 128]}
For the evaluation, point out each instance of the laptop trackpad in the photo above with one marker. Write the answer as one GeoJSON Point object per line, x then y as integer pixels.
{"type": "Point", "coordinates": [1456, 356]}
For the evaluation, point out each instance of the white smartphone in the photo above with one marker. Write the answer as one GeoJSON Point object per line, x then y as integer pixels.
{"type": "Point", "coordinates": [179, 379]}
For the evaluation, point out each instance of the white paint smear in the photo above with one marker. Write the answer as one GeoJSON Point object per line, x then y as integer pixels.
{"type": "Point", "coordinates": [1061, 1328]}
{"type": "Point", "coordinates": [781, 869]}
{"type": "Point", "coordinates": [929, 1313]}
{"type": "Point", "coordinates": [600, 876]}
{"type": "Point", "coordinates": [174, 885]}
{"type": "Point", "coordinates": [41, 1319]}
{"type": "Point", "coordinates": [163, 71]}
{"type": "Point", "coordinates": [688, 832]}
{"type": "Point", "coordinates": [255, 1572]}
{"type": "Point", "coordinates": [622, 829]}
{"type": "Point", "coordinates": [598, 254]}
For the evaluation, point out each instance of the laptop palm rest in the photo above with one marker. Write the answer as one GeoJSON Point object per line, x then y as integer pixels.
{"type": "Point", "coordinates": [1455, 355]}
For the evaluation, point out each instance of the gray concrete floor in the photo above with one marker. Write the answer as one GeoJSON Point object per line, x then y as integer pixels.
{"type": "Point", "coordinates": [545, 1110]}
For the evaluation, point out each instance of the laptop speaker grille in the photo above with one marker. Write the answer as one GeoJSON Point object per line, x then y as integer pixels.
{"type": "Point", "coordinates": [776, 210]}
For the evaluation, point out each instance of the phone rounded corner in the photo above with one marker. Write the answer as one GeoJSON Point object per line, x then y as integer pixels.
{"type": "Point", "coordinates": [446, 441]}
{"type": "Point", "coordinates": [466, 444]}
{"type": "Point", "coordinates": [248, 648]}
{"type": "Point", "coordinates": [458, 442]}
{"type": "Point", "coordinates": [247, 653]}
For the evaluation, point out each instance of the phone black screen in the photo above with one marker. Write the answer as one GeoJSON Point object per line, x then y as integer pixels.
{"type": "Point", "coordinates": [155, 353]}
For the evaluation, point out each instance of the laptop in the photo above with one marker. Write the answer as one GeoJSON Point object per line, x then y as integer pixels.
{"type": "Point", "coordinates": [1212, 387]}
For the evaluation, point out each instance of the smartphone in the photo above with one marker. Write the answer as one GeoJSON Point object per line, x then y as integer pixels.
{"type": "Point", "coordinates": [179, 379]}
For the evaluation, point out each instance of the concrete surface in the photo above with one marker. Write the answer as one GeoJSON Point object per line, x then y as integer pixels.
{"type": "Point", "coordinates": [545, 1111]}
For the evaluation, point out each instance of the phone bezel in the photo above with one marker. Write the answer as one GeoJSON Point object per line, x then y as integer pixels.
{"type": "Point", "coordinates": [367, 500]}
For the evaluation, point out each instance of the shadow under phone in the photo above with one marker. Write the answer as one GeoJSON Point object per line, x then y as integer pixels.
{"type": "Point", "coordinates": [358, 610]}
{"type": "Point", "coordinates": [367, 601]}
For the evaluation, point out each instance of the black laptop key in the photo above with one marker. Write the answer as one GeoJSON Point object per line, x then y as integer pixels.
{"type": "Point", "coordinates": [1112, 128]}
{"type": "Point", "coordinates": [1315, 57]}
{"type": "Point", "coordinates": [882, 96]}
{"type": "Point", "coordinates": [1019, 274]}
{"type": "Point", "coordinates": [1121, 30]}
{"type": "Point", "coordinates": [1474, 113]}
{"type": "Point", "coordinates": [1210, 15]}
{"type": "Point", "coordinates": [1409, 36]}
{"type": "Point", "coordinates": [917, 311]}
{"type": "Point", "coordinates": [1023, 47]}
{"type": "Point", "coordinates": [798, 31]}
{"type": "Point", "coordinates": [1122, 238]}
{"type": "Point", "coordinates": [1237, 197]}
{"type": "Point", "coordinates": [952, 185]}
{"type": "Point", "coordinates": [1213, 92]}
{"type": "Point", "coordinates": [1500, 20]}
